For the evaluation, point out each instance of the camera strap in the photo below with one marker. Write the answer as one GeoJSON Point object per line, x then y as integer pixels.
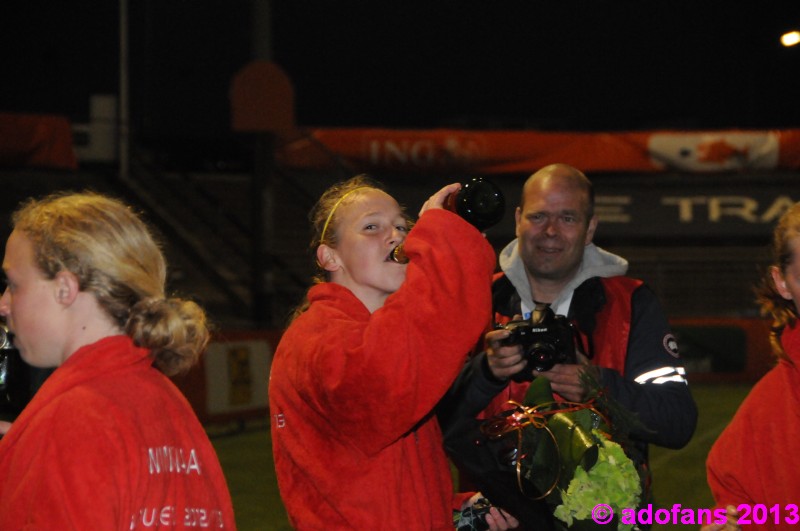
{"type": "Point", "coordinates": [535, 312]}
{"type": "Point", "coordinates": [538, 312]}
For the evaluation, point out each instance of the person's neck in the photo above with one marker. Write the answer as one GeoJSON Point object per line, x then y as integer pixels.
{"type": "Point", "coordinates": [87, 324]}
{"type": "Point", "coordinates": [546, 290]}
{"type": "Point", "coordinates": [89, 336]}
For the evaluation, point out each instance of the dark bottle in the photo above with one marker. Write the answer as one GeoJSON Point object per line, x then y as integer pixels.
{"type": "Point", "coordinates": [479, 201]}
{"type": "Point", "coordinates": [14, 378]}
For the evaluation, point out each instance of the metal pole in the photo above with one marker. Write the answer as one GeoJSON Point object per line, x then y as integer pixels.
{"type": "Point", "coordinates": [263, 188]}
{"type": "Point", "coordinates": [123, 111]}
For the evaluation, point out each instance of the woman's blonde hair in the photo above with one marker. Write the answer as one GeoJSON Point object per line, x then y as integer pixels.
{"type": "Point", "coordinates": [324, 215]}
{"type": "Point", "coordinates": [115, 257]}
{"type": "Point", "coordinates": [782, 311]}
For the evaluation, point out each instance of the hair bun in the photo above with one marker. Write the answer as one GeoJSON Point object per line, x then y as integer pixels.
{"type": "Point", "coordinates": [174, 329]}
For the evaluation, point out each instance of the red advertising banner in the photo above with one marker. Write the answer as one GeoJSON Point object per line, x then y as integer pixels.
{"type": "Point", "coordinates": [493, 152]}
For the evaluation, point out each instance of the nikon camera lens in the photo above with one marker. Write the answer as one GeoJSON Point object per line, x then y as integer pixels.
{"type": "Point", "coordinates": [479, 201]}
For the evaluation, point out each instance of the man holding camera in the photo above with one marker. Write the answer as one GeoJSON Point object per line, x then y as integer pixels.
{"type": "Point", "coordinates": [623, 339]}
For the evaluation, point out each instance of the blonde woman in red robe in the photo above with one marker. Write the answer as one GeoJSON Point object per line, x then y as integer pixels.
{"type": "Point", "coordinates": [755, 461]}
{"type": "Point", "coordinates": [360, 368]}
{"type": "Point", "coordinates": [108, 442]}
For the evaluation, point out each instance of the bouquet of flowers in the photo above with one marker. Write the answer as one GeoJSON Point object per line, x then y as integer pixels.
{"type": "Point", "coordinates": [566, 454]}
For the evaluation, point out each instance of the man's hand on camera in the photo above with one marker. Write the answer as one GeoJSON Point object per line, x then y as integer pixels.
{"type": "Point", "coordinates": [496, 519]}
{"type": "Point", "coordinates": [504, 360]}
{"type": "Point", "coordinates": [499, 520]}
{"type": "Point", "coordinates": [565, 378]}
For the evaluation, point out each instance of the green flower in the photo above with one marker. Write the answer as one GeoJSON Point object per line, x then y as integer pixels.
{"type": "Point", "coordinates": [613, 480]}
{"type": "Point", "coordinates": [569, 454]}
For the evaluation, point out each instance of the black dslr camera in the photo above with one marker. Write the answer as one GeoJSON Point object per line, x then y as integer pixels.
{"type": "Point", "coordinates": [546, 339]}
{"type": "Point", "coordinates": [473, 518]}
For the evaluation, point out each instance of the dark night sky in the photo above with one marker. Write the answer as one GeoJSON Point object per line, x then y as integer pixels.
{"type": "Point", "coordinates": [596, 64]}
{"type": "Point", "coordinates": [569, 65]}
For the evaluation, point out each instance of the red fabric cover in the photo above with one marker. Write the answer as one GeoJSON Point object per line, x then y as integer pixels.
{"type": "Point", "coordinates": [82, 454]}
{"type": "Point", "coordinates": [36, 141]}
{"type": "Point", "coordinates": [354, 440]}
{"type": "Point", "coordinates": [610, 339]}
{"type": "Point", "coordinates": [756, 460]}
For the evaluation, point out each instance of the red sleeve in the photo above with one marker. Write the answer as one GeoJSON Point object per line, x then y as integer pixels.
{"type": "Point", "coordinates": [459, 498]}
{"type": "Point", "coordinates": [409, 351]}
{"type": "Point", "coordinates": [725, 466]}
{"type": "Point", "coordinates": [722, 464]}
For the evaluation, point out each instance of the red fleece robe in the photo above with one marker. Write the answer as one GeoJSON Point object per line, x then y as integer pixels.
{"type": "Point", "coordinates": [756, 459]}
{"type": "Point", "coordinates": [109, 443]}
{"type": "Point", "coordinates": [355, 443]}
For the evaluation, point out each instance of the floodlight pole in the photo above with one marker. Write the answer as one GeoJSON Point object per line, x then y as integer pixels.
{"type": "Point", "coordinates": [123, 110]}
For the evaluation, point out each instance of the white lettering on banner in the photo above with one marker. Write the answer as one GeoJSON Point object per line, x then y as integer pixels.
{"type": "Point", "coordinates": [739, 207]}
{"type": "Point", "coordinates": [420, 153]}
{"type": "Point", "coordinates": [685, 206]}
{"type": "Point", "coordinates": [611, 208]}
{"type": "Point", "coordinates": [425, 153]}
{"type": "Point", "coordinates": [777, 209]}
{"type": "Point", "coordinates": [169, 459]}
{"type": "Point", "coordinates": [720, 207]}
{"type": "Point", "coordinates": [166, 516]}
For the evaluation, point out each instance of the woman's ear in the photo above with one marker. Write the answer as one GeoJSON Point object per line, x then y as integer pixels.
{"type": "Point", "coordinates": [326, 258]}
{"type": "Point", "coordinates": [67, 287]}
{"type": "Point", "coordinates": [780, 283]}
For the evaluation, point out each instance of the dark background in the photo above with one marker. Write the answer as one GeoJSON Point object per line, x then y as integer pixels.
{"type": "Point", "coordinates": [569, 65]}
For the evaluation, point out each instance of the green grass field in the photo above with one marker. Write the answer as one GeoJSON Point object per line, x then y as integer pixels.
{"type": "Point", "coordinates": [678, 475]}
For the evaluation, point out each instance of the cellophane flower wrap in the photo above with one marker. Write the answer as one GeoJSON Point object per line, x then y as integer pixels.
{"type": "Point", "coordinates": [567, 454]}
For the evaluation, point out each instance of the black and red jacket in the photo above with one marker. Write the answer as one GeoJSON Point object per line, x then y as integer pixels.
{"type": "Point", "coordinates": [626, 333]}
